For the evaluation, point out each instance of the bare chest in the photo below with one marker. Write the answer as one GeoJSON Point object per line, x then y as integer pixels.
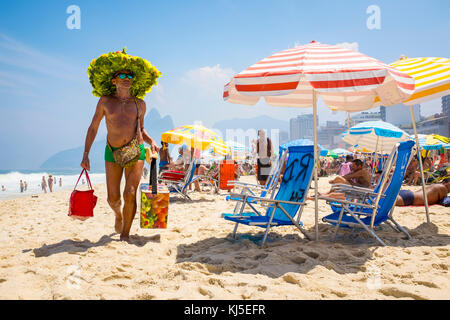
{"type": "Point", "coordinates": [120, 114]}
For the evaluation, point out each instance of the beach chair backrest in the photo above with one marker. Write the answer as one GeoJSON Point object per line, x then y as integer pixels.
{"type": "Point", "coordinates": [190, 173]}
{"type": "Point", "coordinates": [274, 176]}
{"type": "Point", "coordinates": [403, 156]}
{"type": "Point", "coordinates": [296, 180]}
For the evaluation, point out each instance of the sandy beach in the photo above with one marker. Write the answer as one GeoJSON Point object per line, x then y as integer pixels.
{"type": "Point", "coordinates": [44, 254]}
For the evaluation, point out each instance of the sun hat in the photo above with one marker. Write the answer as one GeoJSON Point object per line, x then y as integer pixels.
{"type": "Point", "coordinates": [102, 70]}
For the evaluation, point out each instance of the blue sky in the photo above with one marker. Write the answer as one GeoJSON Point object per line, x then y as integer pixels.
{"type": "Point", "coordinates": [46, 103]}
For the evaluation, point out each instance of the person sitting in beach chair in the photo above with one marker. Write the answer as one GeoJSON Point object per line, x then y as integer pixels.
{"type": "Point", "coordinates": [366, 208]}
{"type": "Point", "coordinates": [435, 194]}
{"type": "Point", "coordinates": [359, 177]}
{"type": "Point", "coordinates": [164, 157]}
{"type": "Point", "coordinates": [288, 200]}
{"type": "Point", "coordinates": [412, 175]}
{"type": "Point", "coordinates": [180, 184]}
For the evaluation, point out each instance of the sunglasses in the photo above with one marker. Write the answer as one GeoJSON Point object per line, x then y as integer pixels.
{"type": "Point", "coordinates": [124, 75]}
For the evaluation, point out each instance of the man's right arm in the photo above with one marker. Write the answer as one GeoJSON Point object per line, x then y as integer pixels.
{"type": "Point", "coordinates": [92, 132]}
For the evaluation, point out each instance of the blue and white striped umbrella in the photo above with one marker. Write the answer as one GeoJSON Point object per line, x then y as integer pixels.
{"type": "Point", "coordinates": [302, 142]}
{"type": "Point", "coordinates": [376, 136]}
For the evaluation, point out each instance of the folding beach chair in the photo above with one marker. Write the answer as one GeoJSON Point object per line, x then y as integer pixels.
{"type": "Point", "coordinates": [209, 180]}
{"type": "Point", "coordinates": [289, 199]}
{"type": "Point", "coordinates": [366, 208]}
{"type": "Point", "coordinates": [266, 190]}
{"type": "Point", "coordinates": [181, 186]}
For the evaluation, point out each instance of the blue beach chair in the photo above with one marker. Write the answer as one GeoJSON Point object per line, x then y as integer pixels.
{"type": "Point", "coordinates": [373, 207]}
{"type": "Point", "coordinates": [289, 199]}
{"type": "Point", "coordinates": [250, 189]}
{"type": "Point", "coordinates": [181, 187]}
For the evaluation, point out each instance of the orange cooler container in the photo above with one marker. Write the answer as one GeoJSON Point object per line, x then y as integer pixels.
{"type": "Point", "coordinates": [154, 207]}
{"type": "Point", "coordinates": [226, 173]}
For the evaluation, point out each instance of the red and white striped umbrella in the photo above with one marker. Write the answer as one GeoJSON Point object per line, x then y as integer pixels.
{"type": "Point", "coordinates": [346, 80]}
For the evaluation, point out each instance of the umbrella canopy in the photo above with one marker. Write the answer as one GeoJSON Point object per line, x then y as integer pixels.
{"type": "Point", "coordinates": [332, 154]}
{"type": "Point", "coordinates": [375, 136]}
{"type": "Point", "coordinates": [238, 150]}
{"type": "Point", "coordinates": [358, 149]}
{"type": "Point", "coordinates": [341, 152]}
{"type": "Point", "coordinates": [432, 141]}
{"type": "Point", "coordinates": [302, 142]}
{"type": "Point", "coordinates": [345, 79]}
{"type": "Point", "coordinates": [196, 137]}
{"type": "Point", "coordinates": [431, 75]}
{"type": "Point", "coordinates": [432, 79]}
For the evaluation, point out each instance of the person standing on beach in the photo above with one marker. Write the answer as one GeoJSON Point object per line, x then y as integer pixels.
{"type": "Point", "coordinates": [25, 186]}
{"type": "Point", "coordinates": [44, 184]}
{"type": "Point", "coordinates": [21, 186]}
{"type": "Point", "coordinates": [264, 152]}
{"type": "Point", "coordinates": [121, 81]}
{"type": "Point", "coordinates": [50, 183]}
{"type": "Point", "coordinates": [60, 182]}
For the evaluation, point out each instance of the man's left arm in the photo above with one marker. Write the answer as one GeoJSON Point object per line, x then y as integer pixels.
{"type": "Point", "coordinates": [145, 134]}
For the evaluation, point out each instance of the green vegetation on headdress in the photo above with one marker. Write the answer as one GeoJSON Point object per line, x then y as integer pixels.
{"type": "Point", "coordinates": [102, 70]}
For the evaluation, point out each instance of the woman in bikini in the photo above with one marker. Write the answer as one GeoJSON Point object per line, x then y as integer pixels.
{"type": "Point", "coordinates": [435, 194]}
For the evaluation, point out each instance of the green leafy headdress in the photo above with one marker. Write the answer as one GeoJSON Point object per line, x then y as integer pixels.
{"type": "Point", "coordinates": [102, 70]}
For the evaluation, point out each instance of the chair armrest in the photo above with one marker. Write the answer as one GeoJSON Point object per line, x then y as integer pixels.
{"type": "Point", "coordinates": [268, 200]}
{"type": "Point", "coordinates": [347, 189]}
{"type": "Point", "coordinates": [365, 205]}
{"type": "Point", "coordinates": [244, 184]}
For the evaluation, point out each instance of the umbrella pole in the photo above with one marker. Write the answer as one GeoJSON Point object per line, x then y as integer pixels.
{"type": "Point", "coordinates": [316, 166]}
{"type": "Point", "coordinates": [419, 156]}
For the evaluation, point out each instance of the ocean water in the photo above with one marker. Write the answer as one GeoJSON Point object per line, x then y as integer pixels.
{"type": "Point", "coordinates": [11, 181]}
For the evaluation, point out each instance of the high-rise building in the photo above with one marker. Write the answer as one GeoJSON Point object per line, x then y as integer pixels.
{"type": "Point", "coordinates": [446, 105]}
{"type": "Point", "coordinates": [284, 136]}
{"type": "Point", "coordinates": [446, 111]}
{"type": "Point", "coordinates": [302, 127]}
{"type": "Point", "coordinates": [364, 116]}
{"type": "Point", "coordinates": [399, 114]}
{"type": "Point", "coordinates": [329, 136]}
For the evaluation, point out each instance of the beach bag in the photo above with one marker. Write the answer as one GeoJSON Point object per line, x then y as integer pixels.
{"type": "Point", "coordinates": [82, 203]}
{"type": "Point", "coordinates": [154, 202]}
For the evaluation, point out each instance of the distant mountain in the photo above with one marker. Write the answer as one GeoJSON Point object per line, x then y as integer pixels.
{"type": "Point", "coordinates": [155, 125]}
{"type": "Point", "coordinates": [69, 160]}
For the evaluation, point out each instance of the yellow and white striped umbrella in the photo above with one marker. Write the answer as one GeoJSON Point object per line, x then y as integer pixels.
{"type": "Point", "coordinates": [196, 137]}
{"type": "Point", "coordinates": [431, 75]}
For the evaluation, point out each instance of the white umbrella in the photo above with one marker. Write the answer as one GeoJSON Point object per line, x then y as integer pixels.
{"type": "Point", "coordinates": [375, 136]}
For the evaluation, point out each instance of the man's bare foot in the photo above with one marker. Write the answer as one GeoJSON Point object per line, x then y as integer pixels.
{"type": "Point", "coordinates": [118, 225]}
{"type": "Point", "coordinates": [125, 238]}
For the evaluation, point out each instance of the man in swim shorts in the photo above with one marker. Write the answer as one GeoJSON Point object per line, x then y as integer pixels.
{"type": "Point", "coordinates": [435, 193]}
{"type": "Point", "coordinates": [121, 81]}
{"type": "Point", "coordinates": [359, 176]}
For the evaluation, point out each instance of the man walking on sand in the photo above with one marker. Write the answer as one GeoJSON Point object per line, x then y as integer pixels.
{"type": "Point", "coordinates": [121, 81]}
